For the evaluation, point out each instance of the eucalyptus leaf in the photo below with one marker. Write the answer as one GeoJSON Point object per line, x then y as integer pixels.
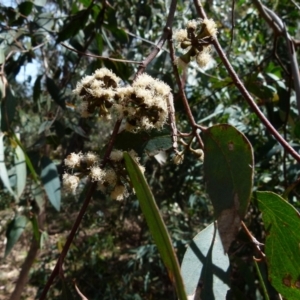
{"type": "Point", "coordinates": [14, 231]}
{"type": "Point", "coordinates": [228, 168]}
{"type": "Point", "coordinates": [155, 223]}
{"type": "Point", "coordinates": [282, 225]}
{"type": "Point", "coordinates": [205, 266]}
{"type": "Point", "coordinates": [21, 170]}
{"type": "Point", "coordinates": [50, 179]}
{"type": "Point", "coordinates": [3, 170]}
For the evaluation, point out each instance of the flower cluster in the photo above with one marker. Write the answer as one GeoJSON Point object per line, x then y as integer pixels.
{"type": "Point", "coordinates": [143, 104]}
{"type": "Point", "coordinates": [196, 40]}
{"type": "Point", "coordinates": [97, 91]}
{"type": "Point", "coordinates": [112, 180]}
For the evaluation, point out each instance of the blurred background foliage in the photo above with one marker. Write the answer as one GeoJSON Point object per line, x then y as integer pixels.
{"type": "Point", "coordinates": [113, 255]}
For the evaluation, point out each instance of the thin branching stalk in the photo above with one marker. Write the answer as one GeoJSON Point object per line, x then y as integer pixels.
{"type": "Point", "coordinates": [92, 188]}
{"type": "Point", "coordinates": [238, 83]}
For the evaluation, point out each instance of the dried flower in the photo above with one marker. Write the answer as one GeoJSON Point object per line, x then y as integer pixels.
{"type": "Point", "coordinates": [108, 77]}
{"type": "Point", "coordinates": [91, 158]}
{"type": "Point", "coordinates": [192, 24]}
{"type": "Point", "coordinates": [210, 27]}
{"type": "Point", "coordinates": [97, 90]}
{"type": "Point", "coordinates": [116, 155]}
{"type": "Point", "coordinates": [110, 177]}
{"type": "Point", "coordinates": [178, 158]}
{"type": "Point", "coordinates": [204, 57]}
{"type": "Point", "coordinates": [70, 182]}
{"type": "Point", "coordinates": [73, 160]}
{"type": "Point", "coordinates": [180, 35]}
{"type": "Point", "coordinates": [96, 173]}
{"type": "Point", "coordinates": [119, 193]}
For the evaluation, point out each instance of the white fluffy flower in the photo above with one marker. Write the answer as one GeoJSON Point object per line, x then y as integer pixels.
{"type": "Point", "coordinates": [96, 173]}
{"type": "Point", "coordinates": [116, 155]}
{"type": "Point", "coordinates": [70, 182]}
{"type": "Point", "coordinates": [73, 160]}
{"type": "Point", "coordinates": [211, 27]}
{"type": "Point", "coordinates": [91, 158]}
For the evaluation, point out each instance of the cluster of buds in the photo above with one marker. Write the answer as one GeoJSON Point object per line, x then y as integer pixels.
{"type": "Point", "coordinates": [111, 180]}
{"type": "Point", "coordinates": [196, 39]}
{"type": "Point", "coordinates": [178, 158]}
{"type": "Point", "coordinates": [143, 104]}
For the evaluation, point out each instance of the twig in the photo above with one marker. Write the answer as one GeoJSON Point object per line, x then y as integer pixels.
{"type": "Point", "coordinates": [232, 26]}
{"type": "Point", "coordinates": [79, 292]}
{"type": "Point", "coordinates": [245, 93]}
{"type": "Point", "coordinates": [267, 17]}
{"type": "Point", "coordinates": [182, 94]}
{"type": "Point", "coordinates": [262, 283]}
{"type": "Point", "coordinates": [142, 39]}
{"type": "Point", "coordinates": [18, 51]}
{"type": "Point", "coordinates": [162, 40]}
{"type": "Point", "coordinates": [101, 57]}
{"type": "Point", "coordinates": [255, 242]}
{"type": "Point", "coordinates": [278, 24]}
{"type": "Point", "coordinates": [82, 211]}
{"type": "Point", "coordinates": [93, 186]}
{"type": "Point", "coordinates": [173, 123]}
{"type": "Point", "coordinates": [296, 4]}
{"type": "Point", "coordinates": [30, 259]}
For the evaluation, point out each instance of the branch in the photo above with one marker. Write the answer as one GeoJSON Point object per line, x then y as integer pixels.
{"type": "Point", "coordinates": [245, 93]}
{"type": "Point", "coordinates": [93, 186]}
{"type": "Point", "coordinates": [280, 29]}
{"type": "Point", "coordinates": [272, 23]}
{"type": "Point", "coordinates": [29, 261]}
{"type": "Point", "coordinates": [162, 40]}
{"type": "Point", "coordinates": [182, 94]}
{"type": "Point", "coordinates": [101, 57]}
{"type": "Point", "coordinates": [82, 211]}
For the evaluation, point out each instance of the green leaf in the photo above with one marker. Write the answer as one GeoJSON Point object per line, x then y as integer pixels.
{"type": "Point", "coordinates": [14, 230]}
{"type": "Point", "coordinates": [99, 41]}
{"type": "Point", "coordinates": [43, 238]}
{"type": "Point", "coordinates": [79, 130]}
{"type": "Point", "coordinates": [86, 3]}
{"type": "Point", "coordinates": [35, 228]}
{"type": "Point", "coordinates": [2, 58]}
{"type": "Point", "coordinates": [21, 171]}
{"type": "Point", "coordinates": [282, 225]}
{"type": "Point", "coordinates": [51, 181]}
{"type": "Point", "coordinates": [3, 170]}
{"type": "Point", "coordinates": [150, 142]}
{"type": "Point", "coordinates": [155, 223]}
{"type": "Point", "coordinates": [228, 168]}
{"type": "Point", "coordinates": [25, 8]}
{"type": "Point", "coordinates": [75, 23]}
{"type": "Point", "coordinates": [118, 33]}
{"type": "Point", "coordinates": [206, 265]}
{"type": "Point", "coordinates": [46, 22]}
{"type": "Point", "coordinates": [45, 126]}
{"type": "Point", "coordinates": [8, 109]}
{"type": "Point", "coordinates": [37, 88]}
{"type": "Point", "coordinates": [53, 90]}
{"type": "Point", "coordinates": [38, 195]}
{"type": "Point", "coordinates": [28, 161]}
